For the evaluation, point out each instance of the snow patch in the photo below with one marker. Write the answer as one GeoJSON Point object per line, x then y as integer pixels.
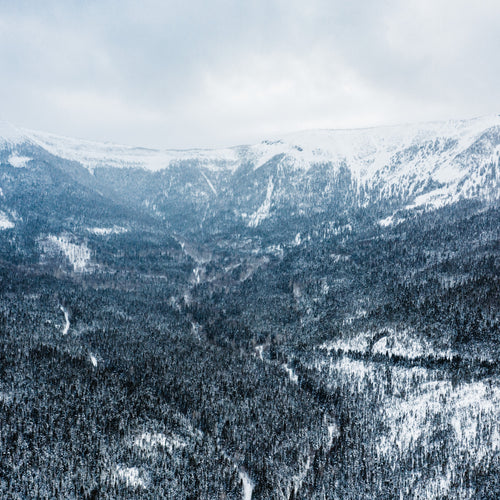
{"type": "Point", "coordinates": [248, 485]}
{"type": "Point", "coordinates": [471, 408]}
{"type": "Point", "coordinates": [131, 476]}
{"type": "Point", "coordinates": [390, 342]}
{"type": "Point", "coordinates": [291, 373]}
{"type": "Point", "coordinates": [105, 231]}
{"type": "Point", "coordinates": [390, 221]}
{"type": "Point", "coordinates": [18, 161]}
{"type": "Point", "coordinates": [333, 432]}
{"type": "Point", "coordinates": [298, 479]}
{"type": "Point", "coordinates": [263, 211]}
{"type": "Point", "coordinates": [5, 222]}
{"type": "Point", "coordinates": [66, 320]}
{"type": "Point", "coordinates": [77, 254]}
{"type": "Point", "coordinates": [93, 360]}
{"type": "Point", "coordinates": [210, 185]}
{"type": "Point", "coordinates": [147, 441]}
{"type": "Point", "coordinates": [259, 350]}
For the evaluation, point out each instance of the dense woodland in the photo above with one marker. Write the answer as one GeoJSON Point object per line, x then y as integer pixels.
{"type": "Point", "coordinates": [316, 356]}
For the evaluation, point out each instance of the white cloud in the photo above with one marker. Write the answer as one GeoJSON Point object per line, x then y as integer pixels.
{"type": "Point", "coordinates": [218, 73]}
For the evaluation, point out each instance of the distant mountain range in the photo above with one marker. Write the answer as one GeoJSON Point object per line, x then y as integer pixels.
{"type": "Point", "coordinates": [55, 185]}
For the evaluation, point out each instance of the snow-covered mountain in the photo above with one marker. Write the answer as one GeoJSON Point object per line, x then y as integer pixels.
{"type": "Point", "coordinates": [431, 164]}
{"type": "Point", "coordinates": [312, 315]}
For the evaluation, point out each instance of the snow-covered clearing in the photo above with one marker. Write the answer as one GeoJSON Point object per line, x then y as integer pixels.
{"type": "Point", "coordinates": [421, 408]}
{"type": "Point", "coordinates": [5, 222]}
{"type": "Point", "coordinates": [106, 231]}
{"type": "Point", "coordinates": [333, 431]}
{"type": "Point", "coordinates": [472, 409]}
{"type": "Point", "coordinates": [131, 476]}
{"type": "Point", "coordinates": [390, 221]}
{"type": "Point", "coordinates": [148, 441]}
{"type": "Point", "coordinates": [259, 349]}
{"type": "Point", "coordinates": [77, 254]}
{"type": "Point", "coordinates": [248, 484]}
{"type": "Point", "coordinates": [18, 161]}
{"type": "Point", "coordinates": [390, 341]}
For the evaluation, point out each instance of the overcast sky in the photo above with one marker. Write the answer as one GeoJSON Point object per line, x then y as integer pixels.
{"type": "Point", "coordinates": [219, 72]}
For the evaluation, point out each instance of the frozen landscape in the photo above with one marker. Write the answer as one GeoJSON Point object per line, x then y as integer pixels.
{"type": "Point", "coordinates": [314, 316]}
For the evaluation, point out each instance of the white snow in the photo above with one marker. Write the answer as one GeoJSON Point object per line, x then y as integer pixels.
{"type": "Point", "coordinates": [148, 441]}
{"type": "Point", "coordinates": [94, 154]}
{"type": "Point", "coordinates": [93, 360]}
{"type": "Point", "coordinates": [333, 431]}
{"type": "Point", "coordinates": [210, 185]}
{"type": "Point", "coordinates": [263, 211]}
{"type": "Point", "coordinates": [248, 485]}
{"type": "Point", "coordinates": [291, 374]}
{"type": "Point", "coordinates": [369, 149]}
{"type": "Point", "coordinates": [412, 420]}
{"type": "Point", "coordinates": [77, 254]}
{"type": "Point", "coordinates": [259, 349]}
{"type": "Point", "coordinates": [431, 162]}
{"type": "Point", "coordinates": [415, 405]}
{"type": "Point", "coordinates": [131, 476]}
{"type": "Point", "coordinates": [394, 342]}
{"type": "Point", "coordinates": [18, 161]}
{"type": "Point", "coordinates": [5, 222]}
{"type": "Point", "coordinates": [66, 320]}
{"type": "Point", "coordinates": [298, 479]}
{"type": "Point", "coordinates": [390, 221]}
{"type": "Point", "coordinates": [105, 231]}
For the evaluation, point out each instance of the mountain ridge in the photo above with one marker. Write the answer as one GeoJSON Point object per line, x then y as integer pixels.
{"type": "Point", "coordinates": [396, 168]}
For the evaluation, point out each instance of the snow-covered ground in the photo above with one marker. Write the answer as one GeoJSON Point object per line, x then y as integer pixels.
{"type": "Point", "coordinates": [291, 373]}
{"type": "Point", "coordinates": [392, 342]}
{"type": "Point", "coordinates": [435, 163]}
{"type": "Point", "coordinates": [248, 485]}
{"type": "Point", "coordinates": [263, 211]}
{"type": "Point", "coordinates": [148, 441]}
{"type": "Point", "coordinates": [105, 231]}
{"type": "Point", "coordinates": [467, 408]}
{"type": "Point", "coordinates": [424, 409]}
{"type": "Point", "coordinates": [390, 221]}
{"type": "Point", "coordinates": [5, 222]}
{"type": "Point", "coordinates": [131, 476]}
{"type": "Point", "coordinates": [18, 161]}
{"type": "Point", "coordinates": [95, 154]}
{"type": "Point", "coordinates": [77, 254]}
{"type": "Point", "coordinates": [66, 320]}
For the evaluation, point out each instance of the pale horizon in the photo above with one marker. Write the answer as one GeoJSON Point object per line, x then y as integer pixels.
{"type": "Point", "coordinates": [159, 74]}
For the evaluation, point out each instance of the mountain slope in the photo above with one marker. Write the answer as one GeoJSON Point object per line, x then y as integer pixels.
{"type": "Point", "coordinates": [312, 317]}
{"type": "Point", "coordinates": [411, 165]}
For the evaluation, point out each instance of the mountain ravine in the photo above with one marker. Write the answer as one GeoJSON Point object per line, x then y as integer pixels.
{"type": "Point", "coordinates": [312, 317]}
